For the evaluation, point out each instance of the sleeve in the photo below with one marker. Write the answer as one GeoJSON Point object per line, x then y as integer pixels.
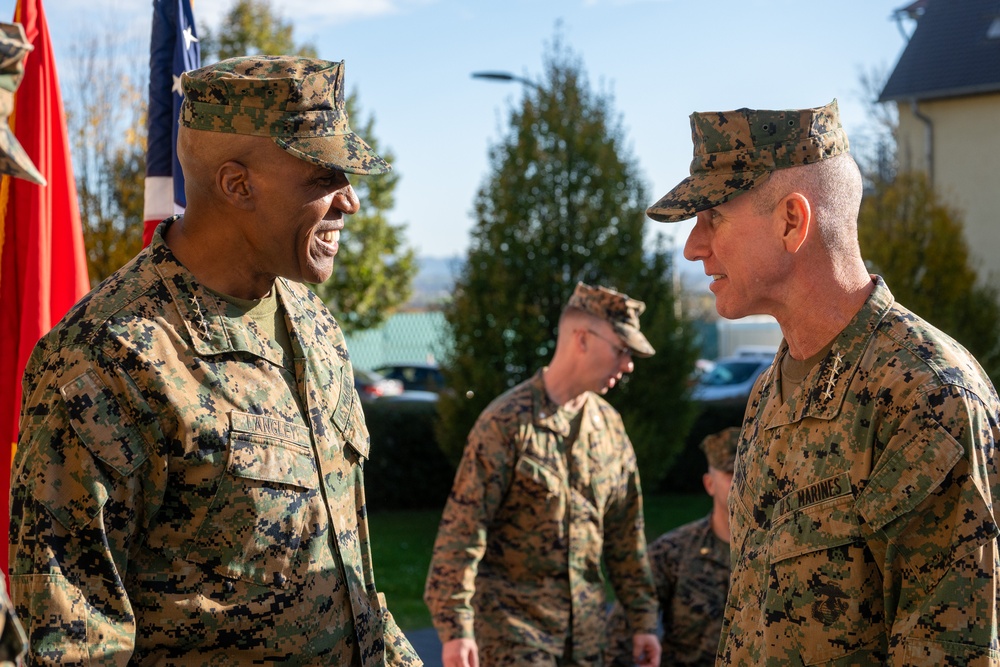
{"type": "Point", "coordinates": [75, 508]}
{"type": "Point", "coordinates": [663, 563]}
{"type": "Point", "coordinates": [619, 650]}
{"type": "Point", "coordinates": [625, 548]}
{"type": "Point", "coordinates": [480, 484]}
{"type": "Point", "coordinates": [928, 520]}
{"type": "Point", "coordinates": [398, 650]}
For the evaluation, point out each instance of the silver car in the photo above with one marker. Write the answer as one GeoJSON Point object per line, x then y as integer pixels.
{"type": "Point", "coordinates": [729, 382]}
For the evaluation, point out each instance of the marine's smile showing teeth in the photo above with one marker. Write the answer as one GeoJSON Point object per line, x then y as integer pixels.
{"type": "Point", "coordinates": [329, 236]}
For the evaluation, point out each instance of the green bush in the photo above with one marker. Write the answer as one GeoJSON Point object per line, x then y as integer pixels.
{"type": "Point", "coordinates": [407, 469]}
{"type": "Point", "coordinates": [685, 473]}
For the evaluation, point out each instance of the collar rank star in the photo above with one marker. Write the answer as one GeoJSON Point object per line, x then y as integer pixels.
{"type": "Point", "coordinates": [834, 369]}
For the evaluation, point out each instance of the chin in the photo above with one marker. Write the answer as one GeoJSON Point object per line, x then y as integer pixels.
{"type": "Point", "coordinates": [318, 275]}
{"type": "Point", "coordinates": [729, 312]}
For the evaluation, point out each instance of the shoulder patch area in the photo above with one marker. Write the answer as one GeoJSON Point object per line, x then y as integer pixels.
{"type": "Point", "coordinates": [102, 425]}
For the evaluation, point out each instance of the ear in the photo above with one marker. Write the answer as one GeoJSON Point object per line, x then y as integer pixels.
{"type": "Point", "coordinates": [233, 180]}
{"type": "Point", "coordinates": [796, 220]}
{"type": "Point", "coordinates": [709, 482]}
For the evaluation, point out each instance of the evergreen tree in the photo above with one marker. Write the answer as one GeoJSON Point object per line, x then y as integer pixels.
{"type": "Point", "coordinates": [563, 202]}
{"type": "Point", "coordinates": [251, 27]}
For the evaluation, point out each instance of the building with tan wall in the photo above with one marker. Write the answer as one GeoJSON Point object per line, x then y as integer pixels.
{"type": "Point", "coordinates": [946, 87]}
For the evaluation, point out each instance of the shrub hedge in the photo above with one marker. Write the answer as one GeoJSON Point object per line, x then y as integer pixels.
{"type": "Point", "coordinates": [685, 474]}
{"type": "Point", "coordinates": [406, 469]}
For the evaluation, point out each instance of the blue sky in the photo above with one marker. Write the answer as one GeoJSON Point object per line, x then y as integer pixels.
{"type": "Point", "coordinates": [411, 62]}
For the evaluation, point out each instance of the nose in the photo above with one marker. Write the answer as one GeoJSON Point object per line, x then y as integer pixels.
{"type": "Point", "coordinates": [696, 246]}
{"type": "Point", "coordinates": [626, 366]}
{"type": "Point", "coordinates": [345, 200]}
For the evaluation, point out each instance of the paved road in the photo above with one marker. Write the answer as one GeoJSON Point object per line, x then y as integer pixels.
{"type": "Point", "coordinates": [427, 645]}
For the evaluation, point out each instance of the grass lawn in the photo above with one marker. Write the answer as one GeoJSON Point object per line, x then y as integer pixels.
{"type": "Point", "coordinates": [402, 542]}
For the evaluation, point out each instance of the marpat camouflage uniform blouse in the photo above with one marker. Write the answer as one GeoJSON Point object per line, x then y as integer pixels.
{"type": "Point", "coordinates": [527, 521]}
{"type": "Point", "coordinates": [174, 503]}
{"type": "Point", "coordinates": [863, 530]}
{"type": "Point", "coordinates": [691, 570]}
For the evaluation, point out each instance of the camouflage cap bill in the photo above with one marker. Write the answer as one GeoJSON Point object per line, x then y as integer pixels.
{"type": "Point", "coordinates": [736, 150]}
{"type": "Point", "coordinates": [297, 102]}
{"type": "Point", "coordinates": [618, 309]}
{"type": "Point", "coordinates": [720, 448]}
{"type": "Point", "coordinates": [14, 47]}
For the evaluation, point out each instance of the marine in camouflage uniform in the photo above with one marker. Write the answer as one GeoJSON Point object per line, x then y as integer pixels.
{"type": "Point", "coordinates": [548, 485]}
{"type": "Point", "coordinates": [691, 570]}
{"type": "Point", "coordinates": [862, 508]}
{"type": "Point", "coordinates": [188, 486]}
{"type": "Point", "coordinates": [14, 161]}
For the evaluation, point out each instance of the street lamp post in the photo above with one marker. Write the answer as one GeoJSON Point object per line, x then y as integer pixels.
{"type": "Point", "coordinates": [505, 76]}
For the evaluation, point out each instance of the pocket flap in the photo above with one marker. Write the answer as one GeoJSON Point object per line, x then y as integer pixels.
{"type": "Point", "coordinates": [101, 423]}
{"type": "Point", "coordinates": [356, 432]}
{"type": "Point", "coordinates": [271, 450]}
{"type": "Point", "coordinates": [824, 525]}
{"type": "Point", "coordinates": [903, 480]}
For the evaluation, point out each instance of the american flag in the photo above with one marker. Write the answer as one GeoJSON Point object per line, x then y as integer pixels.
{"type": "Point", "coordinates": [173, 50]}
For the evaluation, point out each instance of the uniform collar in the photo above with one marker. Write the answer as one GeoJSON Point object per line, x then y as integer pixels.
{"type": "Point", "coordinates": [710, 545]}
{"type": "Point", "coordinates": [546, 414]}
{"type": "Point", "coordinates": [203, 313]}
{"type": "Point", "coordinates": [824, 389]}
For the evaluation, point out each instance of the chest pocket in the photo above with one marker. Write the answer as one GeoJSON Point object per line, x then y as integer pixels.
{"type": "Point", "coordinates": [534, 477]}
{"type": "Point", "coordinates": [535, 500]}
{"type": "Point", "coordinates": [255, 524]}
{"type": "Point", "coordinates": [824, 582]}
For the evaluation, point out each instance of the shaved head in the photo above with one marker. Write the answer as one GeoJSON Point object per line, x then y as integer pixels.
{"type": "Point", "coordinates": [834, 189]}
{"type": "Point", "coordinates": [202, 153]}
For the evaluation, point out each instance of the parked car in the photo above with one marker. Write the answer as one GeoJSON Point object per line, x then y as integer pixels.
{"type": "Point", "coordinates": [411, 396]}
{"type": "Point", "coordinates": [373, 386]}
{"type": "Point", "coordinates": [415, 377]}
{"type": "Point", "coordinates": [731, 379]}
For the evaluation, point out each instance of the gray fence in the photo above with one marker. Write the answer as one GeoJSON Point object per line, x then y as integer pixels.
{"type": "Point", "coordinates": [405, 338]}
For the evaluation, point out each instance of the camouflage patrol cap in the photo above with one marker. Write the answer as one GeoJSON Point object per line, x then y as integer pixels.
{"type": "Point", "coordinates": [720, 448]}
{"type": "Point", "coordinates": [617, 309]}
{"type": "Point", "coordinates": [735, 151]}
{"type": "Point", "coordinates": [14, 47]}
{"type": "Point", "coordinates": [298, 102]}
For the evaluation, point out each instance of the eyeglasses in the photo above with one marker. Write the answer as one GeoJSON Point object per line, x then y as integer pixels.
{"type": "Point", "coordinates": [620, 350]}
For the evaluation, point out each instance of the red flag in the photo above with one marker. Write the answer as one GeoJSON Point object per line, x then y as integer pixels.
{"type": "Point", "coordinates": [43, 264]}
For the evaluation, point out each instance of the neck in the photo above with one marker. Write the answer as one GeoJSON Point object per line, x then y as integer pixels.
{"type": "Point", "coordinates": [720, 523]}
{"type": "Point", "coordinates": [560, 389]}
{"type": "Point", "coordinates": [213, 258]}
{"type": "Point", "coordinates": [822, 308]}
